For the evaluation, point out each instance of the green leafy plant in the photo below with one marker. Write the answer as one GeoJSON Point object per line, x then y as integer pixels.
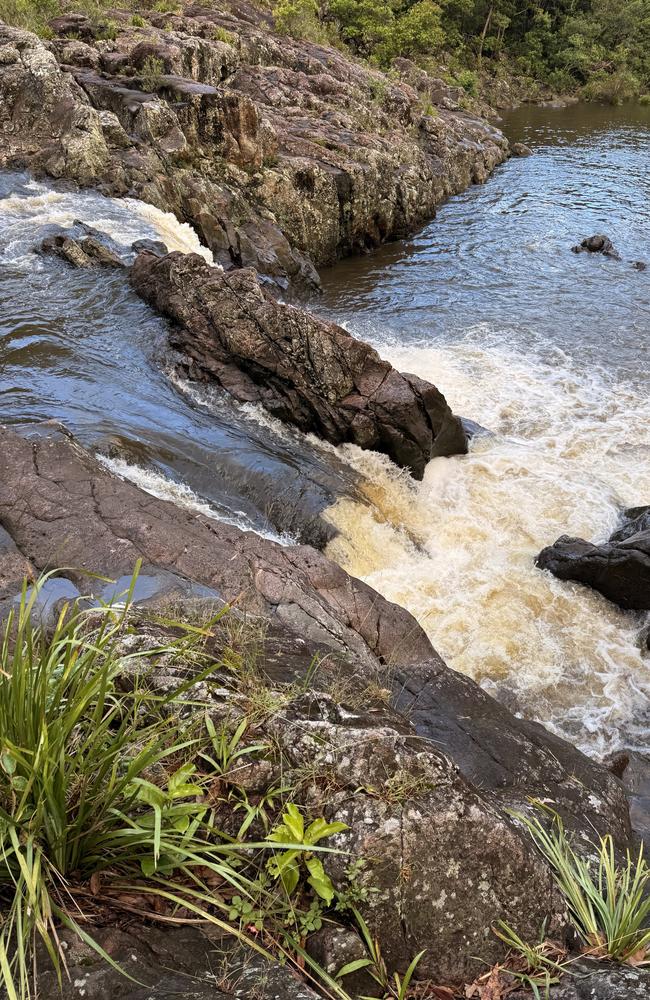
{"type": "Point", "coordinates": [609, 903]}
{"type": "Point", "coordinates": [151, 73]}
{"type": "Point", "coordinates": [285, 865]}
{"type": "Point", "coordinates": [395, 987]}
{"type": "Point", "coordinates": [99, 784]}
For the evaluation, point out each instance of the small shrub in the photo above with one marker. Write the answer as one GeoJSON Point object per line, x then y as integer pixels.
{"type": "Point", "coordinates": [300, 19]}
{"type": "Point", "coordinates": [612, 88]}
{"type": "Point", "coordinates": [138, 21]}
{"type": "Point", "coordinates": [151, 73]}
{"type": "Point", "coordinates": [468, 80]}
{"type": "Point", "coordinates": [223, 35]}
{"type": "Point", "coordinates": [167, 7]}
{"type": "Point", "coordinates": [644, 99]}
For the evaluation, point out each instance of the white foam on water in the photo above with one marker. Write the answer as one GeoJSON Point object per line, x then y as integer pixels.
{"type": "Point", "coordinates": [124, 220]}
{"type": "Point", "coordinates": [182, 495]}
{"type": "Point", "coordinates": [568, 451]}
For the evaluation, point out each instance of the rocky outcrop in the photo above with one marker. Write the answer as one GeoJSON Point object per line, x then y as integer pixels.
{"type": "Point", "coordinates": [303, 370]}
{"type": "Point", "coordinates": [87, 252]}
{"type": "Point", "coordinates": [619, 569]}
{"type": "Point", "coordinates": [284, 155]}
{"type": "Point", "coordinates": [436, 771]}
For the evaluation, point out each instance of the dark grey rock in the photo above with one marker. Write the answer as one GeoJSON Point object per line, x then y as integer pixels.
{"type": "Point", "coordinates": [304, 370]}
{"type": "Point", "coordinates": [619, 569]}
{"type": "Point", "coordinates": [598, 244]}
{"type": "Point", "coordinates": [156, 247]}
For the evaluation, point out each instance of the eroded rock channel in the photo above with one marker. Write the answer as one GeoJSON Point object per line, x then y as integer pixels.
{"type": "Point", "coordinates": [282, 156]}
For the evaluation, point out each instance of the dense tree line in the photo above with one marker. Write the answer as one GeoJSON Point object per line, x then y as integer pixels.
{"type": "Point", "coordinates": [600, 45]}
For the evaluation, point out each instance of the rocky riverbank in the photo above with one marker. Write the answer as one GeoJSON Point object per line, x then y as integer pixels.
{"type": "Point", "coordinates": [282, 154]}
{"type": "Point", "coordinates": [420, 764]}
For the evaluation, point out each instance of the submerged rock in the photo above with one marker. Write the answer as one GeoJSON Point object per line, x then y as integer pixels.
{"type": "Point", "coordinates": [598, 244]}
{"type": "Point", "coordinates": [520, 149]}
{"type": "Point", "coordinates": [619, 569]}
{"type": "Point", "coordinates": [303, 370]}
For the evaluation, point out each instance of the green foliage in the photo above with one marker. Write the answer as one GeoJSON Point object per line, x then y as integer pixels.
{"type": "Point", "coordinates": [300, 19]}
{"type": "Point", "coordinates": [468, 80]}
{"type": "Point", "coordinates": [394, 987]}
{"type": "Point", "coordinates": [219, 34]}
{"type": "Point", "coordinates": [285, 865]}
{"type": "Point", "coordinates": [609, 903]}
{"type": "Point", "coordinates": [138, 21]}
{"type": "Point", "coordinates": [98, 782]}
{"type": "Point", "coordinates": [31, 14]}
{"type": "Point", "coordinates": [151, 73]}
{"type": "Point", "coordinates": [77, 797]}
{"type": "Point", "coordinates": [536, 967]}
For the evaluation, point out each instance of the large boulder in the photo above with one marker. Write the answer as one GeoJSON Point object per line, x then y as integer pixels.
{"type": "Point", "coordinates": [305, 371]}
{"type": "Point", "coordinates": [46, 120]}
{"type": "Point", "coordinates": [619, 569]}
{"type": "Point", "coordinates": [425, 785]}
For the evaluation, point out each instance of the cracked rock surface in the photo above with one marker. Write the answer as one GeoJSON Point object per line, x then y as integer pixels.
{"type": "Point", "coordinates": [424, 785]}
{"type": "Point", "coordinates": [303, 370]}
{"type": "Point", "coordinates": [284, 155]}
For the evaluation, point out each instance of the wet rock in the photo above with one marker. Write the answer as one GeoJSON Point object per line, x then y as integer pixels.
{"type": "Point", "coordinates": [424, 793]}
{"type": "Point", "coordinates": [156, 247]}
{"type": "Point", "coordinates": [520, 149]}
{"type": "Point", "coordinates": [619, 569]}
{"type": "Point", "coordinates": [598, 244]}
{"type": "Point", "coordinates": [88, 252]}
{"type": "Point", "coordinates": [52, 490]}
{"type": "Point", "coordinates": [633, 520]}
{"type": "Point", "coordinates": [473, 429]}
{"type": "Point", "coordinates": [303, 370]}
{"type": "Point", "coordinates": [639, 265]}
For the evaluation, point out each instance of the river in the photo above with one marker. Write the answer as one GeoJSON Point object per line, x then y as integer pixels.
{"type": "Point", "coordinates": [545, 349]}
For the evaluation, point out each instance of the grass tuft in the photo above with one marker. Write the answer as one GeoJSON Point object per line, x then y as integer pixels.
{"type": "Point", "coordinates": [609, 901]}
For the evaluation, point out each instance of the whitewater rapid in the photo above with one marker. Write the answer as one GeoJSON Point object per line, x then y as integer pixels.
{"type": "Point", "coordinates": [565, 453]}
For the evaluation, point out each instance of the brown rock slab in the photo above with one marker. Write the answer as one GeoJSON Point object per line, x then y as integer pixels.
{"type": "Point", "coordinates": [303, 370]}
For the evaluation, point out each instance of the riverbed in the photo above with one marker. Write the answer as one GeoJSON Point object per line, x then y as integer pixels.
{"type": "Point", "coordinates": [549, 351]}
{"type": "Point", "coordinates": [545, 349]}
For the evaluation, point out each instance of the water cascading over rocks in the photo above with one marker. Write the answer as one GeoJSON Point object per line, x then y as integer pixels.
{"type": "Point", "coordinates": [303, 370]}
